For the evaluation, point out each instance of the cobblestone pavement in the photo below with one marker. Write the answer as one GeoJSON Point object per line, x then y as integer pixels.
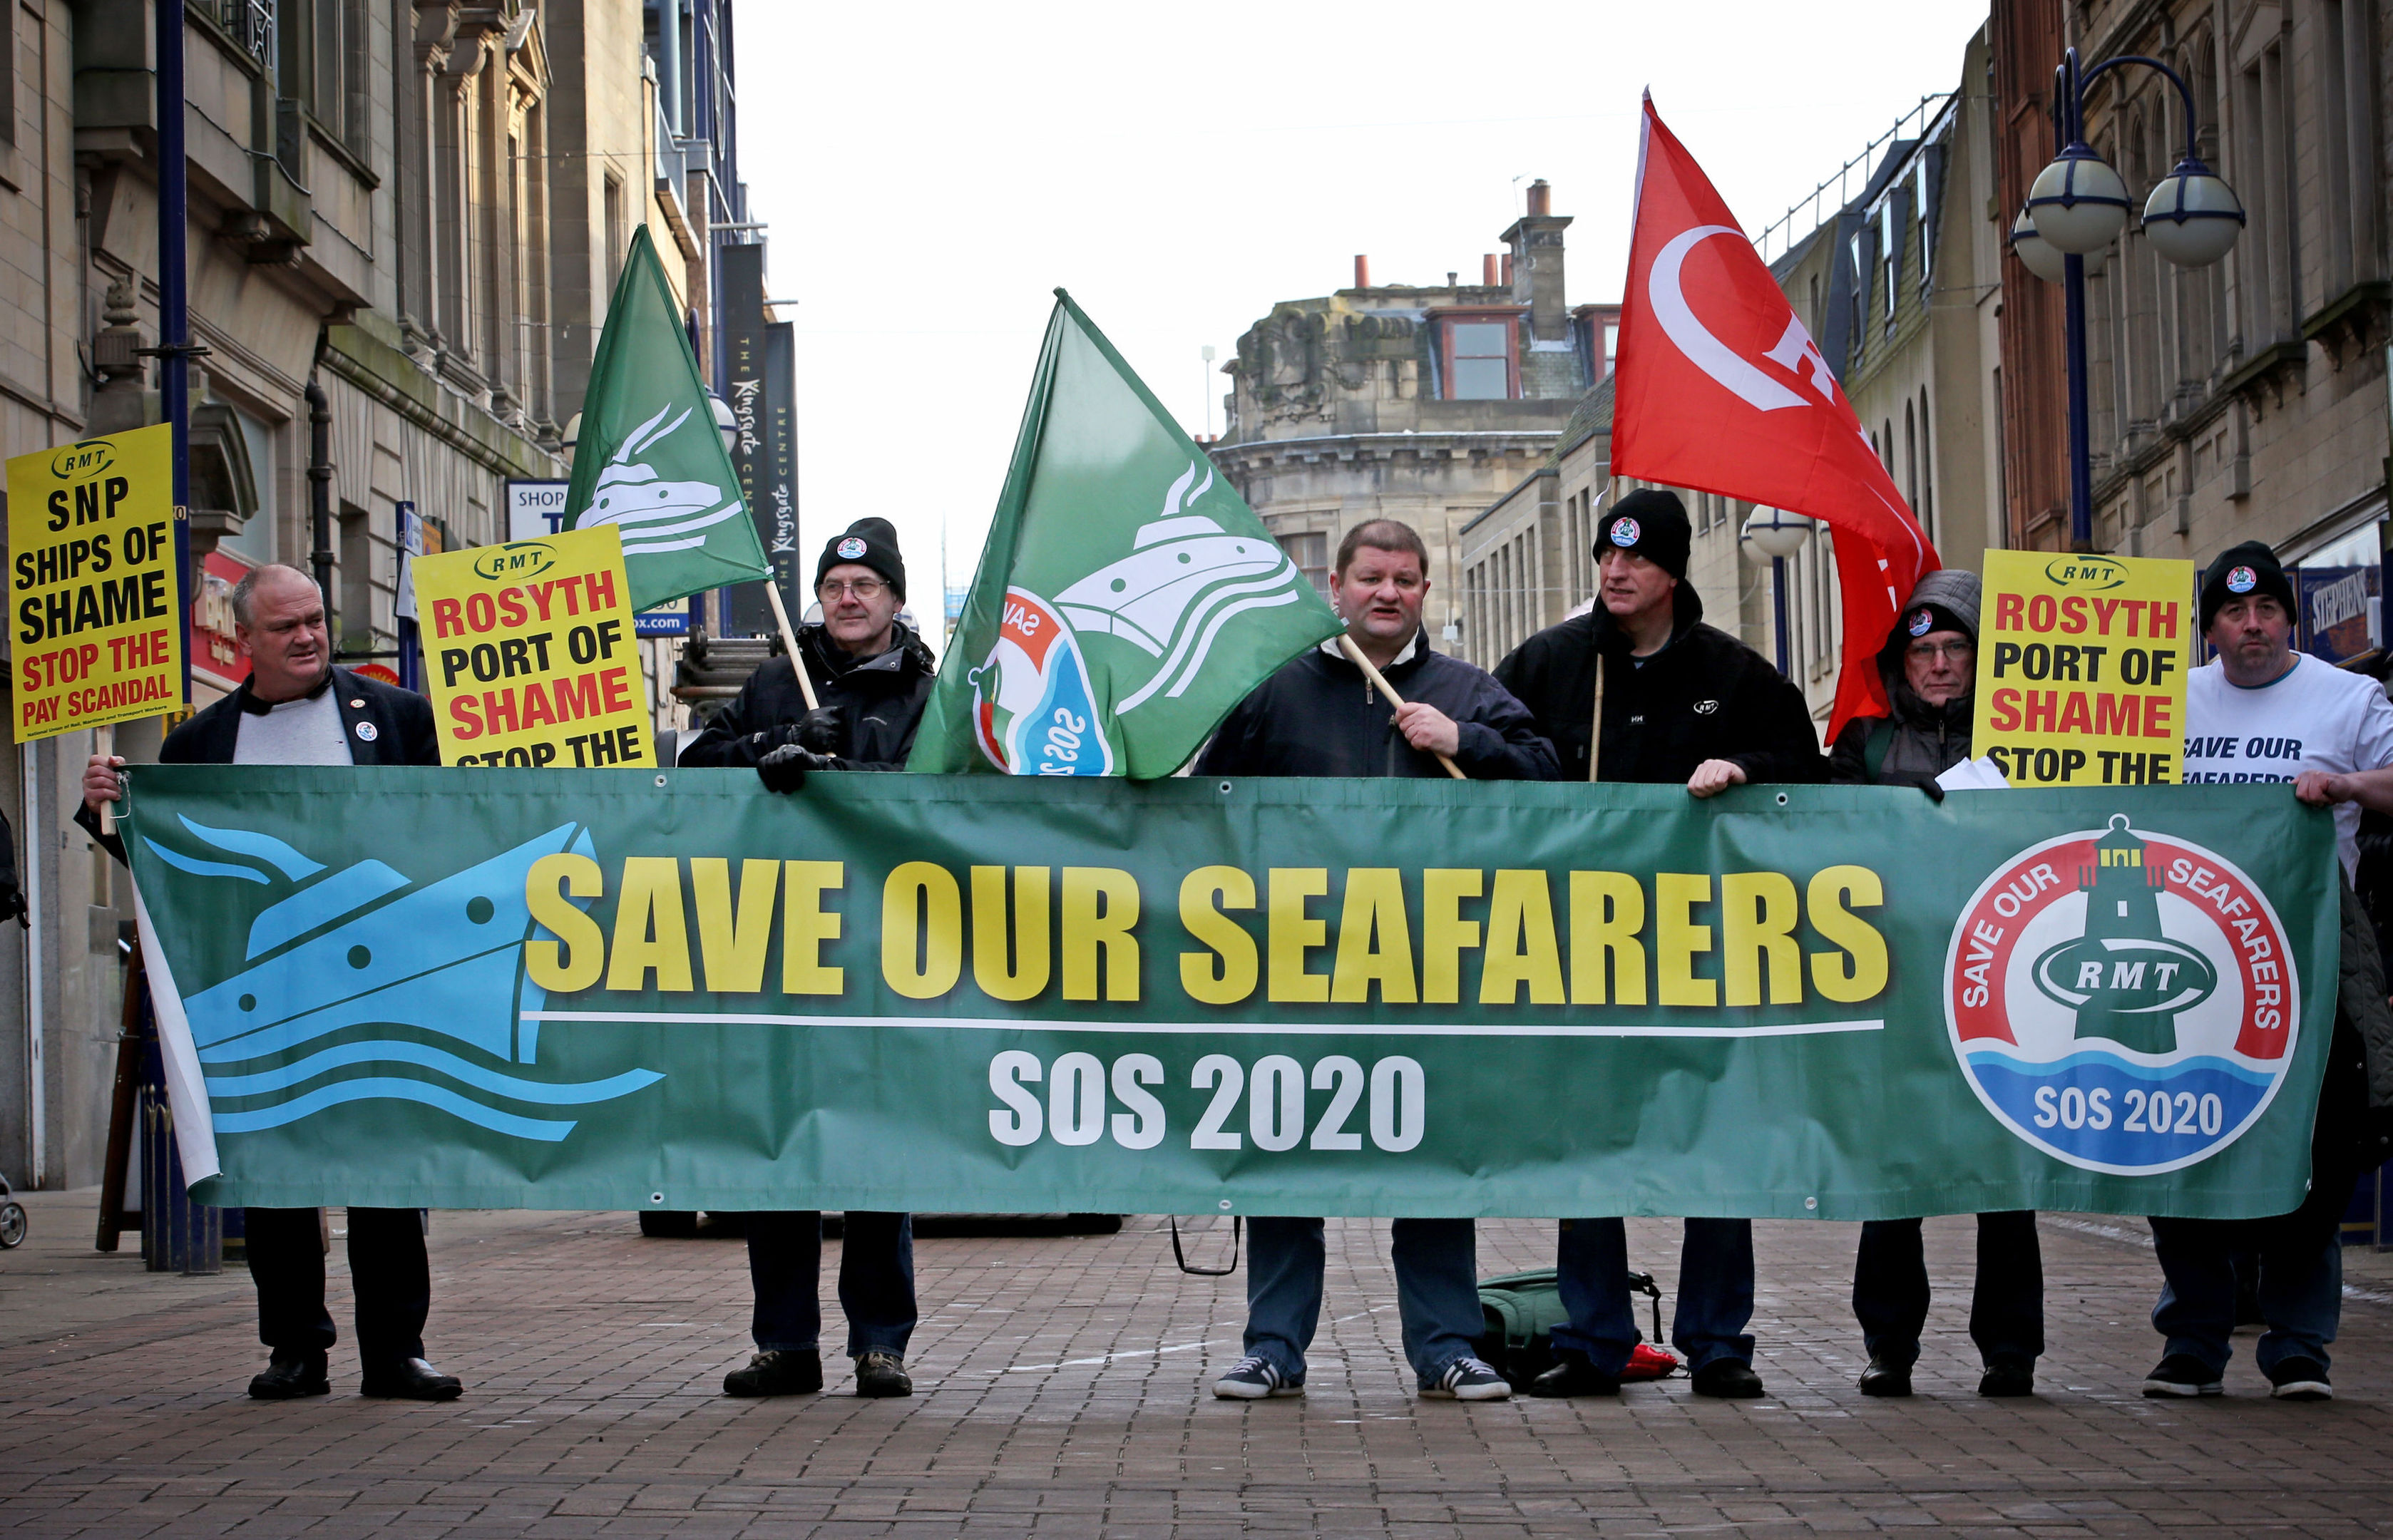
{"type": "Point", "coordinates": [1063, 1393]}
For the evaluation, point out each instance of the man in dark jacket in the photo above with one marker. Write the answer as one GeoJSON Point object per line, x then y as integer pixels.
{"type": "Point", "coordinates": [1319, 716]}
{"type": "Point", "coordinates": [295, 708]}
{"type": "Point", "coordinates": [872, 676]}
{"type": "Point", "coordinates": [1682, 704]}
{"type": "Point", "coordinates": [1930, 668]}
{"type": "Point", "coordinates": [871, 672]}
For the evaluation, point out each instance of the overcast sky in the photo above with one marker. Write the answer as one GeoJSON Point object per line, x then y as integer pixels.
{"type": "Point", "coordinates": [930, 175]}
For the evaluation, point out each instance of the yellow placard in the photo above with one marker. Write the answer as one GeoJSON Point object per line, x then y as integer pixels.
{"type": "Point", "coordinates": [2080, 668]}
{"type": "Point", "coordinates": [97, 611]}
{"type": "Point", "coordinates": [529, 654]}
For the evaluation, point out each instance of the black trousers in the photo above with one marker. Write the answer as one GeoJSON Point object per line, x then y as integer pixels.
{"type": "Point", "coordinates": [389, 1273]}
{"type": "Point", "coordinates": [2006, 1309]}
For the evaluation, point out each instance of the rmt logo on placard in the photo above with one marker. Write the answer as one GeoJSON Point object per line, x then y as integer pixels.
{"type": "Point", "coordinates": [2123, 1001]}
{"type": "Point", "coordinates": [527, 559]}
{"type": "Point", "coordinates": [86, 459]}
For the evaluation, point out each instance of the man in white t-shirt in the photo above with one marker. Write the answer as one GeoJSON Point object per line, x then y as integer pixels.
{"type": "Point", "coordinates": [2261, 712]}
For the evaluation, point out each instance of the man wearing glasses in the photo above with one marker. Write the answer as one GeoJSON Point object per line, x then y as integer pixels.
{"type": "Point", "coordinates": [1930, 668]}
{"type": "Point", "coordinates": [872, 674]}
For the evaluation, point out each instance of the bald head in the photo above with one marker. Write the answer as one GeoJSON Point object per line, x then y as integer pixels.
{"type": "Point", "coordinates": [278, 623]}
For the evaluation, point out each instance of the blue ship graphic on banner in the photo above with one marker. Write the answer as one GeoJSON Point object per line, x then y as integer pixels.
{"type": "Point", "coordinates": [324, 961]}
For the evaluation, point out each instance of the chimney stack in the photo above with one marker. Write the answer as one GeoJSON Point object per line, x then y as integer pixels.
{"type": "Point", "coordinates": [1487, 270]}
{"type": "Point", "coordinates": [1533, 270]}
{"type": "Point", "coordinates": [1507, 278]}
{"type": "Point", "coordinates": [1361, 271]}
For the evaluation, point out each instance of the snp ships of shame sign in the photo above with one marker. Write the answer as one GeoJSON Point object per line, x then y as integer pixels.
{"type": "Point", "coordinates": [97, 622]}
{"type": "Point", "coordinates": [2080, 668]}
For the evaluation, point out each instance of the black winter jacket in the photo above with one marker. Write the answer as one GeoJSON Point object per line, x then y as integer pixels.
{"type": "Point", "coordinates": [1923, 741]}
{"type": "Point", "coordinates": [879, 701]}
{"type": "Point", "coordinates": [382, 724]}
{"type": "Point", "coordinates": [1319, 716]}
{"type": "Point", "coordinates": [1704, 695]}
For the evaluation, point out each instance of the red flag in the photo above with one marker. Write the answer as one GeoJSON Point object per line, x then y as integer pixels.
{"type": "Point", "coordinates": [1719, 389]}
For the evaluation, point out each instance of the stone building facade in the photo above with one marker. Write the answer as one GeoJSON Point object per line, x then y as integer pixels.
{"type": "Point", "coordinates": [417, 207]}
{"type": "Point", "coordinates": [2246, 399]}
{"type": "Point", "coordinates": [1900, 285]}
{"type": "Point", "coordinates": [1420, 404]}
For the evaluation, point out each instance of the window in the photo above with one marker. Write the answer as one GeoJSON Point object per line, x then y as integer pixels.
{"type": "Point", "coordinates": [1889, 242]}
{"type": "Point", "coordinates": [324, 61]}
{"type": "Point", "coordinates": [2349, 205]}
{"type": "Point", "coordinates": [1311, 554]}
{"type": "Point", "coordinates": [614, 230]}
{"type": "Point", "coordinates": [2268, 257]}
{"type": "Point", "coordinates": [1925, 507]}
{"type": "Point", "coordinates": [1479, 365]}
{"type": "Point", "coordinates": [1610, 347]}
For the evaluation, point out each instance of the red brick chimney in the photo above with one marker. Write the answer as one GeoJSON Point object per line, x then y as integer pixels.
{"type": "Point", "coordinates": [1539, 198]}
{"type": "Point", "coordinates": [1487, 269]}
{"type": "Point", "coordinates": [1361, 271]}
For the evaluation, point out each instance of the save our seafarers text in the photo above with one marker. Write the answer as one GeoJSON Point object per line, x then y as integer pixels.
{"type": "Point", "coordinates": [2082, 666]}
{"type": "Point", "coordinates": [95, 612]}
{"type": "Point", "coordinates": [529, 654]}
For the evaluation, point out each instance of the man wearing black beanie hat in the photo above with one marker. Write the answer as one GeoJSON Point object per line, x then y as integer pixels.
{"type": "Point", "coordinates": [2261, 712]}
{"type": "Point", "coordinates": [1676, 703]}
{"type": "Point", "coordinates": [873, 676]}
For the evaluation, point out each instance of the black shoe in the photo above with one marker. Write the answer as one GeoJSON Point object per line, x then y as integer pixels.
{"type": "Point", "coordinates": [2300, 1380]}
{"type": "Point", "coordinates": [2008, 1377]}
{"type": "Point", "coordinates": [1882, 1378]}
{"type": "Point", "coordinates": [796, 1373]}
{"type": "Point", "coordinates": [2184, 1374]}
{"type": "Point", "coordinates": [882, 1373]}
{"type": "Point", "coordinates": [1573, 1376]}
{"type": "Point", "coordinates": [290, 1376]}
{"type": "Point", "coordinates": [409, 1379]}
{"type": "Point", "coordinates": [1729, 1379]}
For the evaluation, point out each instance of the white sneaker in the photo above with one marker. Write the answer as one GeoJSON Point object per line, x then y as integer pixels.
{"type": "Point", "coordinates": [1254, 1378]}
{"type": "Point", "coordinates": [1467, 1379]}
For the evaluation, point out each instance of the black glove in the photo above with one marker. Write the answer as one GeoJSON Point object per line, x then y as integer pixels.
{"type": "Point", "coordinates": [1935, 792]}
{"type": "Point", "coordinates": [821, 730]}
{"type": "Point", "coordinates": [12, 902]}
{"type": "Point", "coordinates": [786, 768]}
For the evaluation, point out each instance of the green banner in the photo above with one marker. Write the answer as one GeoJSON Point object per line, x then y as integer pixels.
{"type": "Point", "coordinates": [618, 990]}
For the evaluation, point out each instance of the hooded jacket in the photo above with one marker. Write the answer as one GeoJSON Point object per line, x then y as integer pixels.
{"type": "Point", "coordinates": [1319, 716]}
{"type": "Point", "coordinates": [877, 702]}
{"type": "Point", "coordinates": [1924, 740]}
{"type": "Point", "coordinates": [1704, 695]}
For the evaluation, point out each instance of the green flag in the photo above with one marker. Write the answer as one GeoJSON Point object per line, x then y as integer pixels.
{"type": "Point", "coordinates": [649, 459]}
{"type": "Point", "coordinates": [1126, 597]}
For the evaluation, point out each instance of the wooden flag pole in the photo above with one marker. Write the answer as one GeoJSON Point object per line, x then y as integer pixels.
{"type": "Point", "coordinates": [789, 642]}
{"type": "Point", "coordinates": [1595, 729]}
{"type": "Point", "coordinates": [1355, 654]}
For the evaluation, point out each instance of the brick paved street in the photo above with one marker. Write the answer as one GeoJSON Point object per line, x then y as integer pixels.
{"type": "Point", "coordinates": [1063, 1394]}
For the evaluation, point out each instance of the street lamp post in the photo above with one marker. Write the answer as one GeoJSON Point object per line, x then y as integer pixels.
{"type": "Point", "coordinates": [1779, 535]}
{"type": "Point", "coordinates": [2077, 207]}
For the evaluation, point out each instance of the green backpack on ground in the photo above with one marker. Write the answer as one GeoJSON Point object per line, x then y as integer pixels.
{"type": "Point", "coordinates": [1521, 1311]}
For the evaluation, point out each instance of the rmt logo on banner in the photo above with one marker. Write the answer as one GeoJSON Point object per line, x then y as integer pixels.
{"type": "Point", "coordinates": [2081, 668]}
{"type": "Point", "coordinates": [2122, 999]}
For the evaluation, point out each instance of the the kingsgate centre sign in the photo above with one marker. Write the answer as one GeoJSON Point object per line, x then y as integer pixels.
{"type": "Point", "coordinates": [673, 989]}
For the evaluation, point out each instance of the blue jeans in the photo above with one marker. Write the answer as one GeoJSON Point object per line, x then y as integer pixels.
{"type": "Point", "coordinates": [2006, 1309]}
{"type": "Point", "coordinates": [876, 1281]}
{"type": "Point", "coordinates": [2301, 1279]}
{"type": "Point", "coordinates": [1437, 1291]}
{"type": "Point", "coordinates": [1714, 1293]}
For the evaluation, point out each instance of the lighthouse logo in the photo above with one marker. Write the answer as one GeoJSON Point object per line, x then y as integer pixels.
{"type": "Point", "coordinates": [2122, 999]}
